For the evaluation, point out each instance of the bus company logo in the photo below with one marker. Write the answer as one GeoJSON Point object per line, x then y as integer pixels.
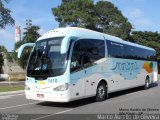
{"type": "Point", "coordinates": [148, 66]}
{"type": "Point", "coordinates": [126, 66]}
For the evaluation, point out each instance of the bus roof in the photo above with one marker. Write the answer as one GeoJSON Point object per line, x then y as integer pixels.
{"type": "Point", "coordinates": [88, 34]}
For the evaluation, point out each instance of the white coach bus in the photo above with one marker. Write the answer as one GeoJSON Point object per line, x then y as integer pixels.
{"type": "Point", "coordinates": [72, 63]}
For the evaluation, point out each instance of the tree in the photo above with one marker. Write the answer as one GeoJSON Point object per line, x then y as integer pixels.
{"type": "Point", "coordinates": [75, 13]}
{"type": "Point", "coordinates": [102, 16]}
{"type": "Point", "coordinates": [142, 37]}
{"type": "Point", "coordinates": [1, 62]}
{"type": "Point", "coordinates": [111, 20]}
{"type": "Point", "coordinates": [30, 35]}
{"type": "Point", "coordinates": [2, 51]}
{"type": "Point", "coordinates": [8, 56]}
{"type": "Point", "coordinates": [5, 15]}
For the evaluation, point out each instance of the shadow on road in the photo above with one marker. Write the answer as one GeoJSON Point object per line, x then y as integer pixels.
{"type": "Point", "coordinates": [72, 104]}
{"type": "Point", "coordinates": [88, 101]}
{"type": "Point", "coordinates": [128, 91]}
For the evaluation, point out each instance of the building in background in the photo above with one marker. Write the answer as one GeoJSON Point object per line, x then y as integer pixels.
{"type": "Point", "coordinates": [17, 33]}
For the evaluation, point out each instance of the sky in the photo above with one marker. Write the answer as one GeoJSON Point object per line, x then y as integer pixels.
{"type": "Point", "coordinates": [142, 14]}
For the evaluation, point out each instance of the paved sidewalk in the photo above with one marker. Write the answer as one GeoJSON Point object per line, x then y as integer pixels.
{"type": "Point", "coordinates": [11, 92]}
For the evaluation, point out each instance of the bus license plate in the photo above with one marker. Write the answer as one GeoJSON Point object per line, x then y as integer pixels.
{"type": "Point", "coordinates": [40, 95]}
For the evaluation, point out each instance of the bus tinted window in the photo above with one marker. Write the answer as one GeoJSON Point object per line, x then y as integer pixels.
{"type": "Point", "coordinates": [86, 52]}
{"type": "Point", "coordinates": [95, 49]}
{"type": "Point", "coordinates": [115, 49]}
{"type": "Point", "coordinates": [119, 50]}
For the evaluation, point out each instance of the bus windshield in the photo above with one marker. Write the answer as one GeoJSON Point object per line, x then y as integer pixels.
{"type": "Point", "coordinates": [46, 59]}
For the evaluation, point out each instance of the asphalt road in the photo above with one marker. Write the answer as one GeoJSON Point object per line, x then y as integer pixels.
{"type": "Point", "coordinates": [135, 101]}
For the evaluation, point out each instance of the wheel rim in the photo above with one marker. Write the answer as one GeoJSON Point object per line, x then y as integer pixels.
{"type": "Point", "coordinates": [147, 84]}
{"type": "Point", "coordinates": [101, 91]}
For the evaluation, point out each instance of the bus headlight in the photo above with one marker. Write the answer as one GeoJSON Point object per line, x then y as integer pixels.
{"type": "Point", "coordinates": [62, 87]}
{"type": "Point", "coordinates": [27, 88]}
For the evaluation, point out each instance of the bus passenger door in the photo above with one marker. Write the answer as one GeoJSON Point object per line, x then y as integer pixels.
{"type": "Point", "coordinates": [77, 76]}
{"type": "Point", "coordinates": [85, 53]}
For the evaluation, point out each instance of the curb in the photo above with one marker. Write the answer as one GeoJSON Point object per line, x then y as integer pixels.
{"type": "Point", "coordinates": [12, 83]}
{"type": "Point", "coordinates": [11, 92]}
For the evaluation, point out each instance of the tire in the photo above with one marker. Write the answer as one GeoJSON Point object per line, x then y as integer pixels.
{"type": "Point", "coordinates": [147, 84]}
{"type": "Point", "coordinates": [101, 93]}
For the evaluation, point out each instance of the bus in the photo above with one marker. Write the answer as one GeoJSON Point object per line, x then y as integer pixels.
{"type": "Point", "coordinates": [72, 63]}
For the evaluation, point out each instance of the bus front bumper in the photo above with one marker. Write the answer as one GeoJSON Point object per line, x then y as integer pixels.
{"type": "Point", "coordinates": [60, 96]}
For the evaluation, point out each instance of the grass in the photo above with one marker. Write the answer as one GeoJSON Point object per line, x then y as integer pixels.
{"type": "Point", "coordinates": [11, 88]}
{"type": "Point", "coordinates": [16, 79]}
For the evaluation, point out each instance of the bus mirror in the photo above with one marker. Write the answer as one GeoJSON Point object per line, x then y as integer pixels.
{"type": "Point", "coordinates": [65, 45]}
{"type": "Point", "coordinates": [20, 50]}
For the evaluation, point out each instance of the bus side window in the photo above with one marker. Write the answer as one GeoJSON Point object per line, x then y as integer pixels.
{"type": "Point", "coordinates": [86, 52]}
{"type": "Point", "coordinates": [76, 59]}
{"type": "Point", "coordinates": [80, 56]}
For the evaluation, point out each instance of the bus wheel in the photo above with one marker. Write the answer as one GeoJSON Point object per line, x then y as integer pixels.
{"type": "Point", "coordinates": [147, 84]}
{"type": "Point", "coordinates": [101, 93]}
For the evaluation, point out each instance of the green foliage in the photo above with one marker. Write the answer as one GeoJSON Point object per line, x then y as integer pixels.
{"type": "Point", "coordinates": [111, 20]}
{"type": "Point", "coordinates": [75, 13]}
{"type": "Point", "coordinates": [102, 16]}
{"type": "Point", "coordinates": [5, 15]}
{"type": "Point", "coordinates": [11, 88]}
{"type": "Point", "coordinates": [1, 62]}
{"type": "Point", "coordinates": [10, 57]}
{"type": "Point", "coordinates": [2, 50]}
{"type": "Point", "coordinates": [140, 36]}
{"type": "Point", "coordinates": [1, 59]}
{"type": "Point", "coordinates": [31, 34]}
